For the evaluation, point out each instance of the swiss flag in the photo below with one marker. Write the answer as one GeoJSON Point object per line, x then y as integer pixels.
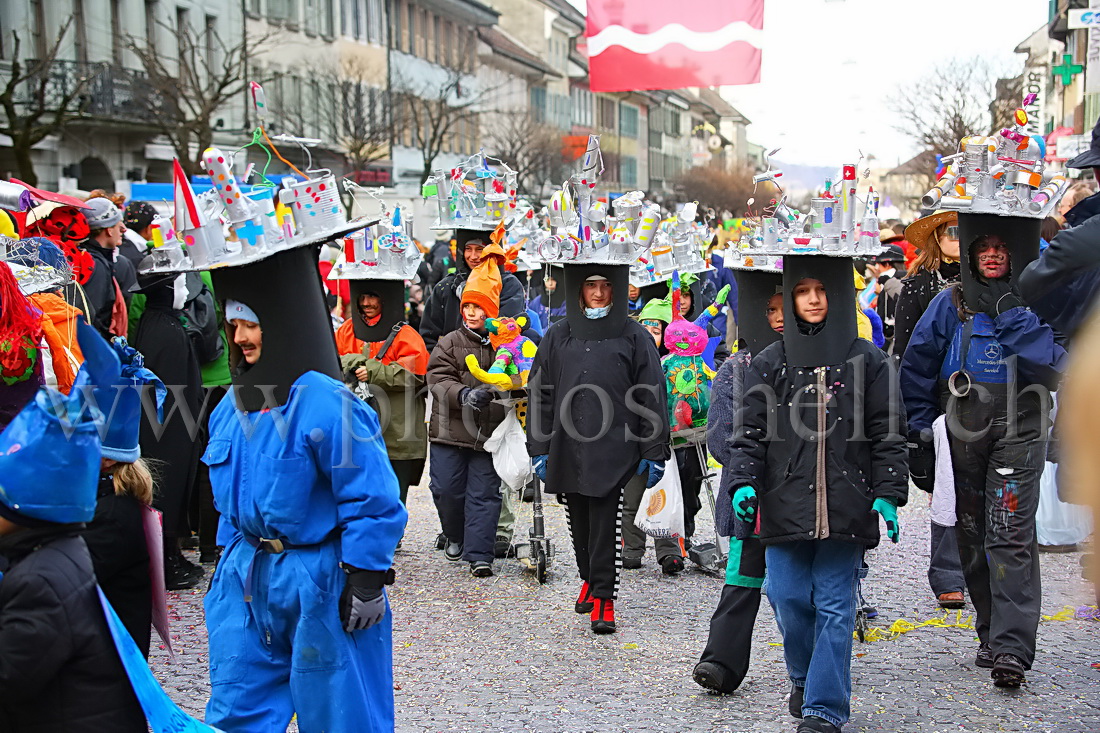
{"type": "Point", "coordinates": [663, 44]}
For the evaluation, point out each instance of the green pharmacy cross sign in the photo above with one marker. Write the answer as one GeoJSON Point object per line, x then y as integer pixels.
{"type": "Point", "coordinates": [1067, 69]}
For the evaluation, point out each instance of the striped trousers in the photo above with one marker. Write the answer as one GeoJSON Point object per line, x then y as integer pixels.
{"type": "Point", "coordinates": [596, 525]}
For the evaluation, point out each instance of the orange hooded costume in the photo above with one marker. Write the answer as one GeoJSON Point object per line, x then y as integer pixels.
{"type": "Point", "coordinates": [59, 332]}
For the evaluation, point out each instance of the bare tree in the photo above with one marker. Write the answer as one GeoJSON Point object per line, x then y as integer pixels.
{"type": "Point", "coordinates": [37, 102]}
{"type": "Point", "coordinates": [532, 148]}
{"type": "Point", "coordinates": [353, 110]}
{"type": "Point", "coordinates": [436, 112]}
{"type": "Point", "coordinates": [720, 189]}
{"type": "Point", "coordinates": [190, 94]}
{"type": "Point", "coordinates": [955, 100]}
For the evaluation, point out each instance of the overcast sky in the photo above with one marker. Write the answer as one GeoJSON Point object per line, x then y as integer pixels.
{"type": "Point", "coordinates": [830, 64]}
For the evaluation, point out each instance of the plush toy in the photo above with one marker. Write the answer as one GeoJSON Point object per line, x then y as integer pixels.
{"type": "Point", "coordinates": [689, 365]}
{"type": "Point", "coordinates": [514, 356]}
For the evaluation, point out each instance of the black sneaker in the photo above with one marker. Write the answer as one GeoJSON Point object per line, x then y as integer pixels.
{"type": "Point", "coordinates": [453, 551]}
{"type": "Point", "coordinates": [814, 724]}
{"type": "Point", "coordinates": [210, 555]}
{"type": "Point", "coordinates": [985, 657]}
{"type": "Point", "coordinates": [440, 541]}
{"type": "Point", "coordinates": [179, 574]}
{"type": "Point", "coordinates": [1008, 671]}
{"type": "Point", "coordinates": [481, 569]}
{"type": "Point", "coordinates": [632, 563]}
{"type": "Point", "coordinates": [794, 702]}
{"type": "Point", "coordinates": [713, 677]}
{"type": "Point", "coordinates": [672, 565]}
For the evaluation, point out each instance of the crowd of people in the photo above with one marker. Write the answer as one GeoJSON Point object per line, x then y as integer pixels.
{"type": "Point", "coordinates": [277, 416]}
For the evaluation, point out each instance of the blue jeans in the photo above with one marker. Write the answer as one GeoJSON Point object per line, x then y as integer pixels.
{"type": "Point", "coordinates": [812, 585]}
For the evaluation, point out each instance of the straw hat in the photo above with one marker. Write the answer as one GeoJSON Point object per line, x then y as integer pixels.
{"type": "Point", "coordinates": [918, 232]}
{"type": "Point", "coordinates": [886, 236]}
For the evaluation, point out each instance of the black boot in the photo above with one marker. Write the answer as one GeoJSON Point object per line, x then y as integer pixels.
{"type": "Point", "coordinates": [179, 574]}
{"type": "Point", "coordinates": [814, 724]}
{"type": "Point", "coordinates": [713, 677]}
{"type": "Point", "coordinates": [1008, 671]}
{"type": "Point", "coordinates": [794, 702]}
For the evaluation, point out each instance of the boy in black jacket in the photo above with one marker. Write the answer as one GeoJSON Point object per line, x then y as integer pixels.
{"type": "Point", "coordinates": [820, 450]}
{"type": "Point", "coordinates": [59, 670]}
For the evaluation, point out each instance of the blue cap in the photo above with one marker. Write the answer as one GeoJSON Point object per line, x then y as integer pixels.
{"type": "Point", "coordinates": [236, 310]}
{"type": "Point", "coordinates": [49, 454]}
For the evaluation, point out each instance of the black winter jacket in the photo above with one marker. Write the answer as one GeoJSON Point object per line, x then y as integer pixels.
{"type": "Point", "coordinates": [1063, 285]}
{"type": "Point", "coordinates": [99, 291]}
{"type": "Point", "coordinates": [120, 557]}
{"type": "Point", "coordinates": [452, 423]}
{"type": "Point", "coordinates": [822, 463]}
{"type": "Point", "coordinates": [59, 670]}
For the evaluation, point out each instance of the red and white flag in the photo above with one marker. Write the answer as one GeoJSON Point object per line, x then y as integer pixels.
{"type": "Point", "coordinates": [669, 44]}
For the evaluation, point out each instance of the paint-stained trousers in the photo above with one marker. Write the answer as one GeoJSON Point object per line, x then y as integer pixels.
{"type": "Point", "coordinates": [997, 494]}
{"type": "Point", "coordinates": [596, 525]}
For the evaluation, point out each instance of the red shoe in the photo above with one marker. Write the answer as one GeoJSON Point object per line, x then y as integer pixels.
{"type": "Point", "coordinates": [584, 602]}
{"type": "Point", "coordinates": [603, 616]}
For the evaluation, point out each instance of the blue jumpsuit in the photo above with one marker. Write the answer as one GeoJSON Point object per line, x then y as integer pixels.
{"type": "Point", "coordinates": [292, 473]}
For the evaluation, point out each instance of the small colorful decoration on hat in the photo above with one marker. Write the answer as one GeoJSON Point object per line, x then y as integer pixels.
{"type": "Point", "coordinates": [478, 193]}
{"type": "Point", "coordinates": [830, 228]}
{"type": "Point", "coordinates": [1002, 174]}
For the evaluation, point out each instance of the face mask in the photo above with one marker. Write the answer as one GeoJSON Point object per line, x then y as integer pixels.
{"type": "Point", "coordinates": [179, 292]}
{"type": "Point", "coordinates": [594, 313]}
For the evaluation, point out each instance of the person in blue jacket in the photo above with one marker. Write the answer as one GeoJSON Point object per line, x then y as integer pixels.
{"type": "Point", "coordinates": [982, 358]}
{"type": "Point", "coordinates": [297, 615]}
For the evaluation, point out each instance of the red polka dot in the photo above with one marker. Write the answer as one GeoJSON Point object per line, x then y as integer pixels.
{"type": "Point", "coordinates": [228, 187]}
{"type": "Point", "coordinates": [321, 187]}
{"type": "Point", "coordinates": [229, 201]}
{"type": "Point", "coordinates": [309, 189]}
{"type": "Point", "coordinates": [221, 159]}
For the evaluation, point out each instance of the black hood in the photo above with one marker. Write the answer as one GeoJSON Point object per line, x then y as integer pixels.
{"type": "Point", "coordinates": [556, 298]}
{"type": "Point", "coordinates": [462, 236]}
{"type": "Point", "coordinates": [754, 289]}
{"type": "Point", "coordinates": [828, 343]}
{"type": "Point", "coordinates": [287, 295]}
{"type": "Point", "coordinates": [597, 329]}
{"type": "Point", "coordinates": [703, 294]}
{"type": "Point", "coordinates": [392, 293]}
{"type": "Point", "coordinates": [1021, 234]}
{"type": "Point", "coordinates": [647, 293]}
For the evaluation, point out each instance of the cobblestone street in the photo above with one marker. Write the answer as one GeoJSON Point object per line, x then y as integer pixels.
{"type": "Point", "coordinates": [504, 654]}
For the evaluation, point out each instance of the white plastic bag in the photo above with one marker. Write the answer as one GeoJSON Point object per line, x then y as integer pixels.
{"type": "Point", "coordinates": [508, 444]}
{"type": "Point", "coordinates": [661, 513]}
{"type": "Point", "coordinates": [1058, 523]}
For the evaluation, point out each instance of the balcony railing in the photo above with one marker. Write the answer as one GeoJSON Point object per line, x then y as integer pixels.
{"type": "Point", "coordinates": [104, 91]}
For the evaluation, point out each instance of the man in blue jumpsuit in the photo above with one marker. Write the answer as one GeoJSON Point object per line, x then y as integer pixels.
{"type": "Point", "coordinates": [987, 362]}
{"type": "Point", "coordinates": [310, 516]}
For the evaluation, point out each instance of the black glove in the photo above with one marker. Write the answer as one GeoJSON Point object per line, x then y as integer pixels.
{"type": "Point", "coordinates": [363, 602]}
{"type": "Point", "coordinates": [997, 297]}
{"type": "Point", "coordinates": [922, 461]}
{"type": "Point", "coordinates": [477, 397]}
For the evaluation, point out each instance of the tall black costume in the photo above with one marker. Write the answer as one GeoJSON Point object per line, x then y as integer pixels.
{"type": "Point", "coordinates": [171, 447]}
{"type": "Point", "coordinates": [597, 408]}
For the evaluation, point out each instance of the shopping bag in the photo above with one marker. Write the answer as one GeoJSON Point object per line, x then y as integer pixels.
{"type": "Point", "coordinates": [154, 542]}
{"type": "Point", "coordinates": [661, 513]}
{"type": "Point", "coordinates": [508, 444]}
{"type": "Point", "coordinates": [1058, 523]}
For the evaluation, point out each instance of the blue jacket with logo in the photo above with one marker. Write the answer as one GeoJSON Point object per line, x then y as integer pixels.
{"type": "Point", "coordinates": [935, 350]}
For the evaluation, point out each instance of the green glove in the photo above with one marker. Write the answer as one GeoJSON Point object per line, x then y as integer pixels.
{"type": "Point", "coordinates": [722, 295]}
{"type": "Point", "coordinates": [889, 514]}
{"type": "Point", "coordinates": [744, 503]}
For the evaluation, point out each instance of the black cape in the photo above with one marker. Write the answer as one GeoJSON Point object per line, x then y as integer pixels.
{"type": "Point", "coordinates": [594, 446]}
